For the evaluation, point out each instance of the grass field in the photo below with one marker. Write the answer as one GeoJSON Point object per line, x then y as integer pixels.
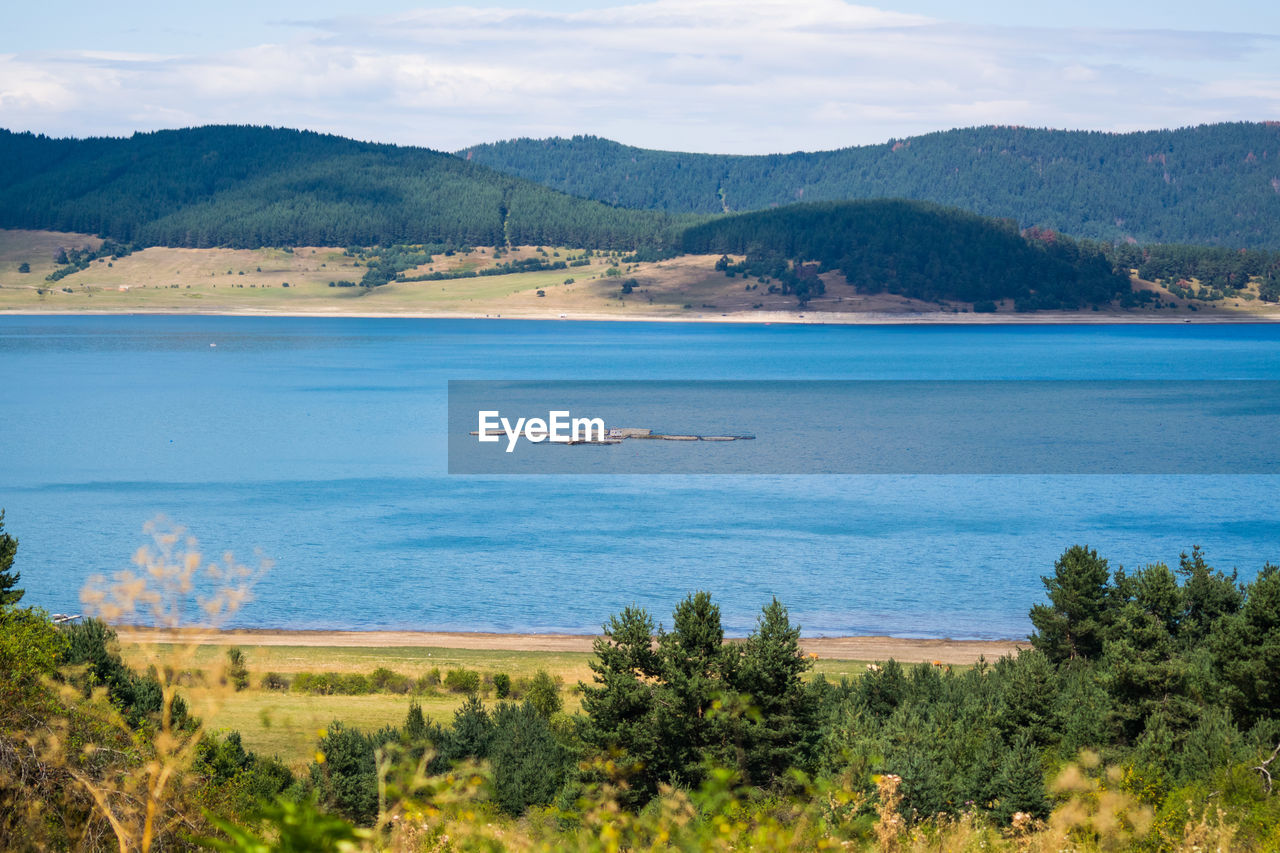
{"type": "Point", "coordinates": [252, 281]}
{"type": "Point", "coordinates": [287, 724]}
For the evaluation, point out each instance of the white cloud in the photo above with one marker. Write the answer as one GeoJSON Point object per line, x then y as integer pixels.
{"type": "Point", "coordinates": [718, 75]}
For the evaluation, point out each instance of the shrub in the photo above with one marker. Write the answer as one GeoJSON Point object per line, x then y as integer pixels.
{"type": "Point", "coordinates": [385, 681]}
{"type": "Point", "coordinates": [351, 684]}
{"type": "Point", "coordinates": [462, 681]}
{"type": "Point", "coordinates": [237, 672]}
{"type": "Point", "coordinates": [502, 685]}
{"type": "Point", "coordinates": [312, 682]}
{"type": "Point", "coordinates": [275, 681]}
{"type": "Point", "coordinates": [543, 693]}
{"type": "Point", "coordinates": [428, 682]}
{"type": "Point", "coordinates": [330, 683]}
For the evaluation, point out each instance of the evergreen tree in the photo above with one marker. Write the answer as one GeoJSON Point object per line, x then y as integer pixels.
{"type": "Point", "coordinates": [1072, 625]}
{"type": "Point", "coordinates": [471, 734]}
{"type": "Point", "coordinates": [415, 724]}
{"type": "Point", "coordinates": [1020, 782]}
{"type": "Point", "coordinates": [1246, 651]}
{"type": "Point", "coordinates": [347, 781]}
{"type": "Point", "coordinates": [9, 594]}
{"type": "Point", "coordinates": [1028, 696]}
{"type": "Point", "coordinates": [620, 705]}
{"type": "Point", "coordinates": [781, 731]}
{"type": "Point", "coordinates": [693, 698]}
{"type": "Point", "coordinates": [1208, 595]}
{"type": "Point", "coordinates": [529, 764]}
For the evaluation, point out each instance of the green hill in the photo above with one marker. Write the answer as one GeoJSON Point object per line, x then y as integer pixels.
{"type": "Point", "coordinates": [914, 249]}
{"type": "Point", "coordinates": [253, 186]}
{"type": "Point", "coordinates": [1212, 185]}
{"type": "Point", "coordinates": [248, 187]}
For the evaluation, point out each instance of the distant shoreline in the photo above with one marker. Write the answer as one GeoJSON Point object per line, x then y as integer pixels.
{"type": "Point", "coordinates": [906, 650]}
{"type": "Point", "coordinates": [868, 318]}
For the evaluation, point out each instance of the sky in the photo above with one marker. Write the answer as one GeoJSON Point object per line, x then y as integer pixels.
{"type": "Point", "coordinates": [730, 76]}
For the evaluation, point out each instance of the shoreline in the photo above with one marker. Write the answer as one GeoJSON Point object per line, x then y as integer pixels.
{"type": "Point", "coordinates": [904, 650]}
{"type": "Point", "coordinates": [823, 318]}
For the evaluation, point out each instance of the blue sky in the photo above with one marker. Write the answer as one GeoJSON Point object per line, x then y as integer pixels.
{"type": "Point", "coordinates": [745, 76]}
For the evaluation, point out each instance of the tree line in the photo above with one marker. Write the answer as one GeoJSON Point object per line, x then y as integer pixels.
{"type": "Point", "coordinates": [1203, 272]}
{"type": "Point", "coordinates": [1214, 184]}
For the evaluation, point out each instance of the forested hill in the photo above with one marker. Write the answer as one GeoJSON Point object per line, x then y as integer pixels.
{"type": "Point", "coordinates": [915, 249]}
{"type": "Point", "coordinates": [1212, 185]}
{"type": "Point", "coordinates": [254, 186]}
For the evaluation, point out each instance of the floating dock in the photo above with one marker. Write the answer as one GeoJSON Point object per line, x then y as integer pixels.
{"type": "Point", "coordinates": [617, 435]}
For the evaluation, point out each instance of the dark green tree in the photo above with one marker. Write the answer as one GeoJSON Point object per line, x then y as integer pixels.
{"type": "Point", "coordinates": [620, 704]}
{"type": "Point", "coordinates": [529, 764]}
{"type": "Point", "coordinates": [9, 593]}
{"type": "Point", "coordinates": [695, 671]}
{"type": "Point", "coordinates": [1020, 782]}
{"type": "Point", "coordinates": [1208, 595]}
{"type": "Point", "coordinates": [693, 699]}
{"type": "Point", "coordinates": [1028, 695]}
{"type": "Point", "coordinates": [346, 782]}
{"type": "Point", "coordinates": [471, 734]}
{"type": "Point", "coordinates": [1246, 651]}
{"type": "Point", "coordinates": [780, 730]}
{"type": "Point", "coordinates": [1072, 625]}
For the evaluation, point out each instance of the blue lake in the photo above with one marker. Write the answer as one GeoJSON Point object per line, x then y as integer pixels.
{"type": "Point", "coordinates": [321, 442]}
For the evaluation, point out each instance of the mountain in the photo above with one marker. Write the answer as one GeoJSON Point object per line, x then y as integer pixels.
{"type": "Point", "coordinates": [255, 186]}
{"type": "Point", "coordinates": [1213, 185]}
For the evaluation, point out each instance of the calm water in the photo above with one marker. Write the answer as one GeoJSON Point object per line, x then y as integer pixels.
{"type": "Point", "coordinates": [321, 443]}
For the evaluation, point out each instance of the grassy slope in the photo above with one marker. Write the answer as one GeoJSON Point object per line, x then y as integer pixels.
{"type": "Point", "coordinates": [204, 287]}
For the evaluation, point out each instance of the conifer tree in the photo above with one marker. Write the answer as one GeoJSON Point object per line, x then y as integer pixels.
{"type": "Point", "coordinates": [1020, 783]}
{"type": "Point", "coordinates": [9, 594]}
{"type": "Point", "coordinates": [1072, 625]}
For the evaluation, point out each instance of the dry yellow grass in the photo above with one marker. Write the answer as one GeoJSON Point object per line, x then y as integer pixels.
{"type": "Point", "coordinates": [287, 724]}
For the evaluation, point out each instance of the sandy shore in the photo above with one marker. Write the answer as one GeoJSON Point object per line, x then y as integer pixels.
{"type": "Point", "coordinates": [836, 648]}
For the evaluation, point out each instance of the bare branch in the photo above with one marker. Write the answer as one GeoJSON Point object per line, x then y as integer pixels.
{"type": "Point", "coordinates": [1264, 770]}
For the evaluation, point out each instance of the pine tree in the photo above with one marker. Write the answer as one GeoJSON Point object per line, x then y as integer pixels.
{"type": "Point", "coordinates": [529, 764]}
{"type": "Point", "coordinates": [1072, 625]}
{"type": "Point", "coordinates": [1020, 783]}
{"type": "Point", "coordinates": [780, 733]}
{"type": "Point", "coordinates": [8, 578]}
